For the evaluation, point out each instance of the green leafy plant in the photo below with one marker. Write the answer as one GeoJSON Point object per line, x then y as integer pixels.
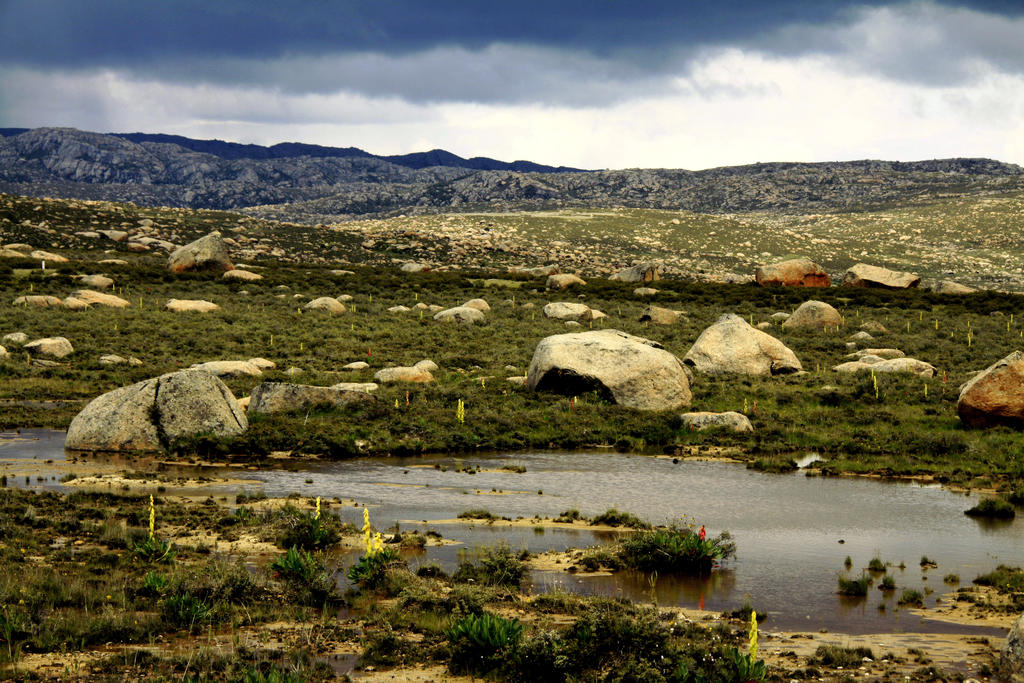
{"type": "Point", "coordinates": [477, 641]}
{"type": "Point", "coordinates": [369, 570]}
{"type": "Point", "coordinates": [153, 583]}
{"type": "Point", "coordinates": [186, 610]}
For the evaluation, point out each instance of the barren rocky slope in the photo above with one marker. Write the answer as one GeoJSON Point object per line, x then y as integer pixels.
{"type": "Point", "coordinates": [320, 189]}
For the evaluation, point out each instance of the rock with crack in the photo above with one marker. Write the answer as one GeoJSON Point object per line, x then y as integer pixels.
{"type": "Point", "coordinates": [731, 346]}
{"type": "Point", "coordinates": [282, 397]}
{"type": "Point", "coordinates": [150, 415]}
{"type": "Point", "coordinates": [641, 272]}
{"type": "Point", "coordinates": [631, 371]}
{"type": "Point", "coordinates": [863, 275]}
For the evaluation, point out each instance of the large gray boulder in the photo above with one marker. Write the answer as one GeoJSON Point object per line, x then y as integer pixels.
{"type": "Point", "coordinates": [797, 272]}
{"type": "Point", "coordinates": [995, 395]}
{"type": "Point", "coordinates": [813, 314]}
{"type": "Point", "coordinates": [863, 275]}
{"type": "Point", "coordinates": [1011, 655]}
{"type": "Point", "coordinates": [732, 346]}
{"type": "Point", "coordinates": [282, 397]}
{"type": "Point", "coordinates": [149, 415]}
{"type": "Point", "coordinates": [206, 253]}
{"type": "Point", "coordinates": [641, 272]}
{"type": "Point", "coordinates": [632, 371]}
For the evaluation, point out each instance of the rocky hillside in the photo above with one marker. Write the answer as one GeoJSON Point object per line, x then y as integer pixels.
{"type": "Point", "coordinates": [317, 187]}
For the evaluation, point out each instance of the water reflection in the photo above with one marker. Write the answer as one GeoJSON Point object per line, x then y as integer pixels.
{"type": "Point", "coordinates": [787, 527]}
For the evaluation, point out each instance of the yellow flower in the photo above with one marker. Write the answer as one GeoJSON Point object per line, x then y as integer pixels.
{"type": "Point", "coordinates": [753, 635]}
{"type": "Point", "coordinates": [317, 507]}
{"type": "Point", "coordinates": [152, 518]}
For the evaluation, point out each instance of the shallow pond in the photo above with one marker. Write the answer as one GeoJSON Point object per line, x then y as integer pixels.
{"type": "Point", "coordinates": [788, 528]}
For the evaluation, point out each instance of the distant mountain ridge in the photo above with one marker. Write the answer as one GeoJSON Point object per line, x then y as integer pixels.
{"type": "Point", "coordinates": [284, 150]}
{"type": "Point", "coordinates": [323, 184]}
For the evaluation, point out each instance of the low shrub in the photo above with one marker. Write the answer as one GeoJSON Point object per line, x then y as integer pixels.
{"type": "Point", "coordinates": [992, 508]}
{"type": "Point", "coordinates": [675, 550]}
{"type": "Point", "coordinates": [612, 517]}
{"type": "Point", "coordinates": [497, 566]}
{"type": "Point", "coordinates": [854, 587]}
{"type": "Point", "coordinates": [911, 597]}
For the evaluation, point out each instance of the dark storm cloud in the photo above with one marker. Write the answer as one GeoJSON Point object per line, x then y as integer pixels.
{"type": "Point", "coordinates": [114, 33]}
{"type": "Point", "coordinates": [572, 52]}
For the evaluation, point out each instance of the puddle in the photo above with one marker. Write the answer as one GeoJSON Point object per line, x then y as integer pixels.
{"type": "Point", "coordinates": [792, 532]}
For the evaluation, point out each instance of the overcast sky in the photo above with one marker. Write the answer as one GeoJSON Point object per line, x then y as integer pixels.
{"type": "Point", "coordinates": [586, 83]}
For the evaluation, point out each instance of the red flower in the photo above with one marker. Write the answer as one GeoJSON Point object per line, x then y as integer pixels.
{"type": "Point", "coordinates": [702, 534]}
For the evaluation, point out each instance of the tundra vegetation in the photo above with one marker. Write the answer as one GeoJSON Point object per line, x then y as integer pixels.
{"type": "Point", "coordinates": [81, 570]}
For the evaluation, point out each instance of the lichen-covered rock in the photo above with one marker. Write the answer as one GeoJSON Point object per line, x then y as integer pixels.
{"type": "Point", "coordinates": [632, 371]}
{"type": "Point", "coordinates": [149, 415]}
{"type": "Point", "coordinates": [206, 253]}
{"type": "Point", "coordinates": [798, 272]}
{"type": "Point", "coordinates": [1011, 654]}
{"type": "Point", "coordinates": [731, 346]}
{"type": "Point", "coordinates": [282, 397]}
